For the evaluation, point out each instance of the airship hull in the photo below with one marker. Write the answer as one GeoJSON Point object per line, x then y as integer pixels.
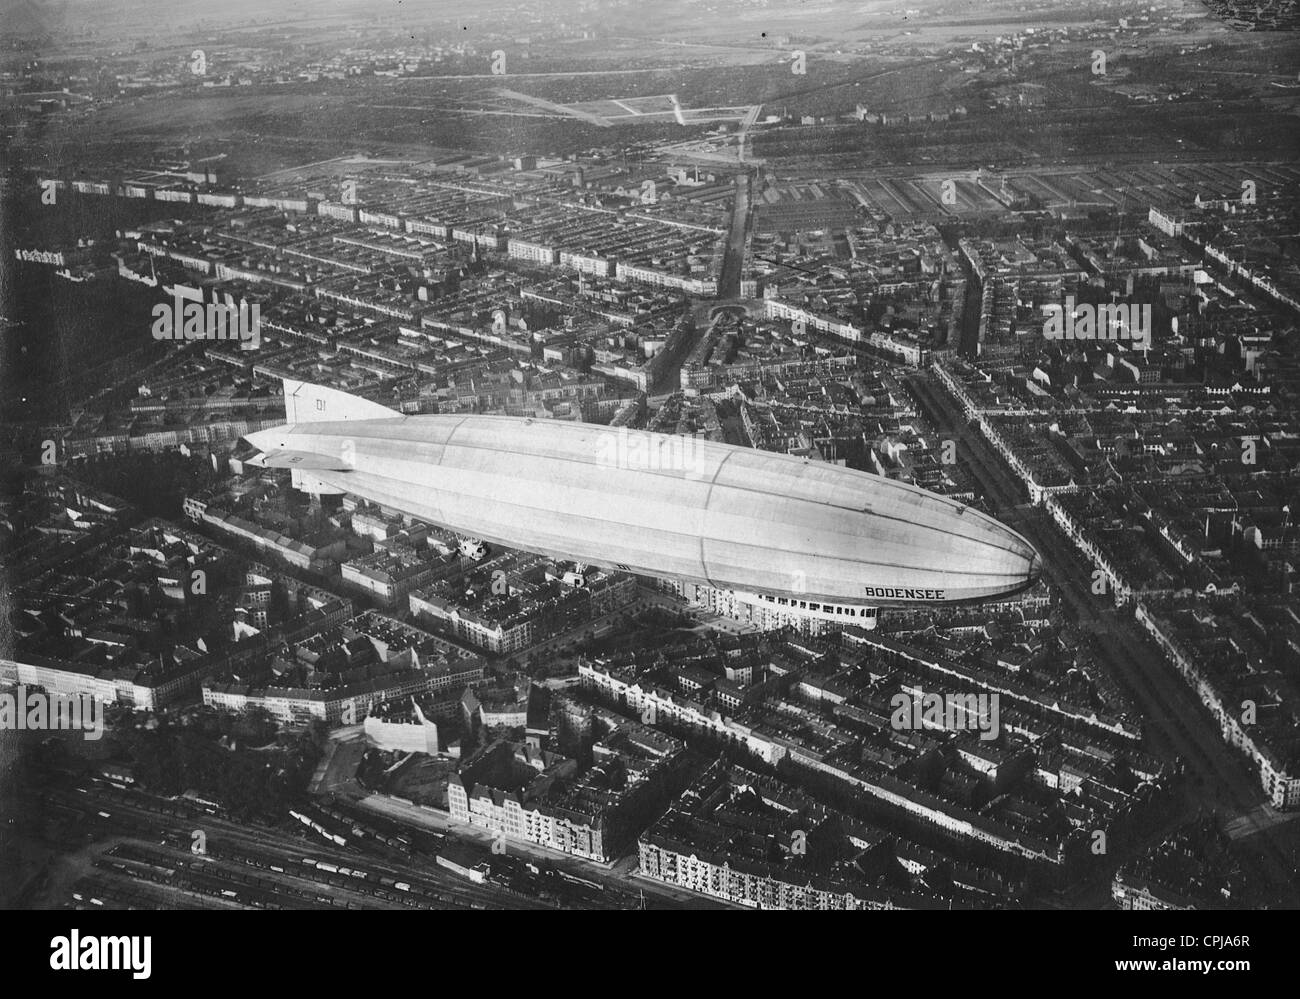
{"type": "Point", "coordinates": [704, 512]}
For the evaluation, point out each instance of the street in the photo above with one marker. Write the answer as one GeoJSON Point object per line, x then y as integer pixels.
{"type": "Point", "coordinates": [1176, 722]}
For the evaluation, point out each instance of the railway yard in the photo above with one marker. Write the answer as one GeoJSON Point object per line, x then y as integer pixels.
{"type": "Point", "coordinates": [125, 849]}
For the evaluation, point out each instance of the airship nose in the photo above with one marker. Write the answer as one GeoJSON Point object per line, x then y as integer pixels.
{"type": "Point", "coordinates": [1035, 568]}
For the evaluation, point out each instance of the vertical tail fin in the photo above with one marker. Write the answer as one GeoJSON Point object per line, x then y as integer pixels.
{"type": "Point", "coordinates": [308, 403]}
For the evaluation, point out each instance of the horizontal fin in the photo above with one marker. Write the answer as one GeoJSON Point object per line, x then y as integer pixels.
{"type": "Point", "coordinates": [308, 483]}
{"type": "Point", "coordinates": [305, 460]}
{"type": "Point", "coordinates": [308, 403]}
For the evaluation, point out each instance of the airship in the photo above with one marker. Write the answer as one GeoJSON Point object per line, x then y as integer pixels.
{"type": "Point", "coordinates": [778, 526]}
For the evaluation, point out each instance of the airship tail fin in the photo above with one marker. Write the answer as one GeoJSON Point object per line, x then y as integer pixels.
{"type": "Point", "coordinates": [308, 403]}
